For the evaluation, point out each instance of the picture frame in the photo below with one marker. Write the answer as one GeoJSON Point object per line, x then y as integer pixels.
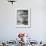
{"type": "Point", "coordinates": [23, 17]}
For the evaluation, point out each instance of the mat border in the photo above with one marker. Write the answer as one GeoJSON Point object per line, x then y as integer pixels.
{"type": "Point", "coordinates": [29, 18]}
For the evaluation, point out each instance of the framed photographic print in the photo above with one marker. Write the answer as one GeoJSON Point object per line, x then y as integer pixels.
{"type": "Point", "coordinates": [23, 16]}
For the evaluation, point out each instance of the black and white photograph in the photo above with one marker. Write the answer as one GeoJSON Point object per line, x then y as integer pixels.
{"type": "Point", "coordinates": [23, 17]}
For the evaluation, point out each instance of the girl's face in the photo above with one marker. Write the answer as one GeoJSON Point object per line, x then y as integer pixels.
{"type": "Point", "coordinates": [19, 18]}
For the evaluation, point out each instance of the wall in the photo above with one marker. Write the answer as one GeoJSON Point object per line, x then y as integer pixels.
{"type": "Point", "coordinates": [8, 28]}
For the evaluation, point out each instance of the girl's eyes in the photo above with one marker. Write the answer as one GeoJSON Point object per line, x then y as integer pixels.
{"type": "Point", "coordinates": [18, 21]}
